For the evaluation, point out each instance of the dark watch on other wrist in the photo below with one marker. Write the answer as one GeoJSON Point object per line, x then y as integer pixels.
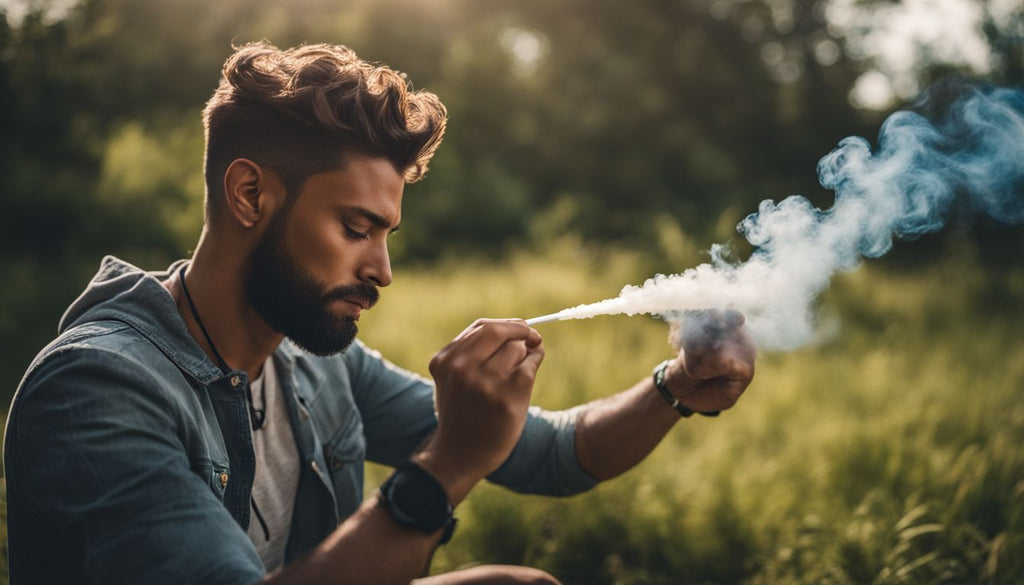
{"type": "Point", "coordinates": [417, 500]}
{"type": "Point", "coordinates": [660, 373]}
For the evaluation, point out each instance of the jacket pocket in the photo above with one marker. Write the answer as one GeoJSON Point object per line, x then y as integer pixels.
{"type": "Point", "coordinates": [216, 476]}
{"type": "Point", "coordinates": [346, 447]}
{"type": "Point", "coordinates": [344, 454]}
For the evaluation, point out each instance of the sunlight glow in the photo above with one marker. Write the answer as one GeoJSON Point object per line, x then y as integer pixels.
{"type": "Point", "coordinates": [526, 47]}
{"type": "Point", "coordinates": [54, 10]}
{"type": "Point", "coordinates": [899, 37]}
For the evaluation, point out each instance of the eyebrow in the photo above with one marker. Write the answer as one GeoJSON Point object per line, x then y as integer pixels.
{"type": "Point", "coordinates": [377, 220]}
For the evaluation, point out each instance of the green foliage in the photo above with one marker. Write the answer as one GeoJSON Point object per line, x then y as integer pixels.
{"type": "Point", "coordinates": [575, 117]}
{"type": "Point", "coordinates": [576, 125]}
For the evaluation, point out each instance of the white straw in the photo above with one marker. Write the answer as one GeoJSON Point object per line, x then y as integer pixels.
{"type": "Point", "coordinates": [544, 319]}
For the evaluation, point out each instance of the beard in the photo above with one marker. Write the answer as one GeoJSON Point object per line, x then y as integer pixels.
{"type": "Point", "coordinates": [292, 301]}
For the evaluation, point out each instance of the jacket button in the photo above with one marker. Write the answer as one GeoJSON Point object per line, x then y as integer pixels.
{"type": "Point", "coordinates": [337, 463]}
{"type": "Point", "coordinates": [235, 381]}
{"type": "Point", "coordinates": [223, 480]}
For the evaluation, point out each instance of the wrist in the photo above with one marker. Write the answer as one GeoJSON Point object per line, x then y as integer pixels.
{"type": "Point", "coordinates": [416, 500]}
{"type": "Point", "coordinates": [453, 478]}
{"type": "Point", "coordinates": [660, 377]}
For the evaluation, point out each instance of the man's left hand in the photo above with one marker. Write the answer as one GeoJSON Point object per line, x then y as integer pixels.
{"type": "Point", "coordinates": [715, 363]}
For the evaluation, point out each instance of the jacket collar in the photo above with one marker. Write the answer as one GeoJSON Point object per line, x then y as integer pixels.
{"type": "Point", "coordinates": [122, 292]}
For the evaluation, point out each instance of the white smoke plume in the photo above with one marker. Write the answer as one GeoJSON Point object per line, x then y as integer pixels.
{"type": "Point", "coordinates": [962, 148]}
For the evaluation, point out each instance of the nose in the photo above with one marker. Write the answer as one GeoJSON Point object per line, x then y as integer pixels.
{"type": "Point", "coordinates": [376, 266]}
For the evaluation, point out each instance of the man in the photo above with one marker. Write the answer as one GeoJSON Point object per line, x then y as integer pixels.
{"type": "Point", "coordinates": [209, 423]}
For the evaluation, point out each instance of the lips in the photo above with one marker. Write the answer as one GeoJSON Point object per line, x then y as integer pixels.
{"type": "Point", "coordinates": [357, 298]}
{"type": "Point", "coordinates": [363, 304]}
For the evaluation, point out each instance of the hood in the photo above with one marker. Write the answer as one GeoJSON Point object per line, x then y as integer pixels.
{"type": "Point", "coordinates": [118, 290]}
{"type": "Point", "coordinates": [122, 292]}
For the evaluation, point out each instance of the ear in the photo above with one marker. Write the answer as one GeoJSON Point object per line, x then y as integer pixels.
{"type": "Point", "coordinates": [245, 191]}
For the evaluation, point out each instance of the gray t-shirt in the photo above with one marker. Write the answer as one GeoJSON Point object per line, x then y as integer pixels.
{"type": "Point", "coordinates": [277, 471]}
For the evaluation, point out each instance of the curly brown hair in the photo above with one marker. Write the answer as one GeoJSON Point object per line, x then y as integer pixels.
{"type": "Point", "coordinates": [300, 111]}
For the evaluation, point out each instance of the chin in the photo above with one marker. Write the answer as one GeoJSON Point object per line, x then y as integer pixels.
{"type": "Point", "coordinates": [327, 341]}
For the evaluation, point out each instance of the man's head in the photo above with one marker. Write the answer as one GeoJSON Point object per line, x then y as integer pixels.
{"type": "Point", "coordinates": [304, 110]}
{"type": "Point", "coordinates": [307, 153]}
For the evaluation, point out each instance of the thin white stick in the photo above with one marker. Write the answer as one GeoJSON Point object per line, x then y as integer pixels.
{"type": "Point", "coordinates": [544, 319]}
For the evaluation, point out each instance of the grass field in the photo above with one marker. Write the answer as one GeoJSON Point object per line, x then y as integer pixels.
{"type": "Point", "coordinates": [892, 451]}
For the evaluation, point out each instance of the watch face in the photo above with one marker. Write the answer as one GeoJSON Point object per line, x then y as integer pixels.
{"type": "Point", "coordinates": [414, 497]}
{"type": "Point", "coordinates": [417, 500]}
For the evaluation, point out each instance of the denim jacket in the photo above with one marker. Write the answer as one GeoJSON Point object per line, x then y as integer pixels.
{"type": "Point", "coordinates": [129, 457]}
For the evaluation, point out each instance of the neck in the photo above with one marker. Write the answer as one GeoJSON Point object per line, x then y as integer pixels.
{"type": "Point", "coordinates": [214, 281]}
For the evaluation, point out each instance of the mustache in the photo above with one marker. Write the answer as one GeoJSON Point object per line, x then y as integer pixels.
{"type": "Point", "coordinates": [366, 292]}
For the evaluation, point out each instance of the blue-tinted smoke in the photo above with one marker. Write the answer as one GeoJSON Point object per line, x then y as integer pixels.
{"type": "Point", "coordinates": [974, 150]}
{"type": "Point", "coordinates": [961, 148]}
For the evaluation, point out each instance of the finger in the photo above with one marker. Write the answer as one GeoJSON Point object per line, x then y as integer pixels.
{"type": "Point", "coordinates": [508, 356]}
{"type": "Point", "coordinates": [530, 364]}
{"type": "Point", "coordinates": [475, 326]}
{"type": "Point", "coordinates": [698, 365]}
{"type": "Point", "coordinates": [734, 319]}
{"type": "Point", "coordinates": [534, 339]}
{"type": "Point", "coordinates": [733, 360]}
{"type": "Point", "coordinates": [468, 330]}
{"type": "Point", "coordinates": [478, 342]}
{"type": "Point", "coordinates": [713, 321]}
{"type": "Point", "coordinates": [487, 337]}
{"type": "Point", "coordinates": [710, 329]}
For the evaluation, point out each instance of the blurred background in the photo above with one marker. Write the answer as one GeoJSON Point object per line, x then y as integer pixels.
{"type": "Point", "coordinates": [591, 144]}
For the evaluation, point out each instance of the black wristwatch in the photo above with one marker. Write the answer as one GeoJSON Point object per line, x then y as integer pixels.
{"type": "Point", "coordinates": [417, 500]}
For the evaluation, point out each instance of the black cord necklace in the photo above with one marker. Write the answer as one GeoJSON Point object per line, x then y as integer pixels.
{"type": "Point", "coordinates": [257, 415]}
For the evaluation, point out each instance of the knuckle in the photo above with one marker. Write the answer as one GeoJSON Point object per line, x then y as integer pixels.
{"type": "Point", "coordinates": [734, 318]}
{"type": "Point", "coordinates": [458, 365]}
{"type": "Point", "coordinates": [519, 347]}
{"type": "Point", "coordinates": [489, 388]}
{"type": "Point", "coordinates": [521, 378]}
{"type": "Point", "coordinates": [492, 333]}
{"type": "Point", "coordinates": [435, 364]}
{"type": "Point", "coordinates": [738, 367]}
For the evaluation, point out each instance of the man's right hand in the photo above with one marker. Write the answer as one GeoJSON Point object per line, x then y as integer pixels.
{"type": "Point", "coordinates": [484, 380]}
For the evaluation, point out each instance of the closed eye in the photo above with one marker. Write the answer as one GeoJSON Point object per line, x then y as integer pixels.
{"type": "Point", "coordinates": [354, 234]}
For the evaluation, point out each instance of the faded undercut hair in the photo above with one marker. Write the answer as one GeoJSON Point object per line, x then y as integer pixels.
{"type": "Point", "coordinates": [302, 110]}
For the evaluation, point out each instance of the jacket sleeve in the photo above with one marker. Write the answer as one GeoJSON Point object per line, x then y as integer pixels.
{"type": "Point", "coordinates": [94, 452]}
{"type": "Point", "coordinates": [544, 460]}
{"type": "Point", "coordinates": [397, 407]}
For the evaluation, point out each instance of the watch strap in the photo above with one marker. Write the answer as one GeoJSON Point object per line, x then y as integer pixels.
{"type": "Point", "coordinates": [660, 375]}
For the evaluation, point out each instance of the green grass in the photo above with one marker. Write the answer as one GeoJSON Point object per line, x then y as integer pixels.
{"type": "Point", "coordinates": [891, 451]}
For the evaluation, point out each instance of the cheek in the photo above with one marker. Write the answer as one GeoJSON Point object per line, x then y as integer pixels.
{"type": "Point", "coordinates": [323, 250]}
